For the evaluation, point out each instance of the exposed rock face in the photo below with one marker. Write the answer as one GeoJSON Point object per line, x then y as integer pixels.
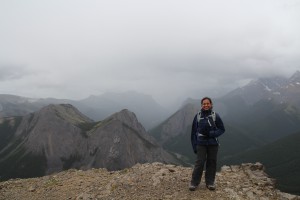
{"type": "Point", "coordinates": [54, 131]}
{"type": "Point", "coordinates": [145, 181]}
{"type": "Point", "coordinates": [59, 137]}
{"type": "Point", "coordinates": [120, 141]}
{"type": "Point", "coordinates": [178, 123]}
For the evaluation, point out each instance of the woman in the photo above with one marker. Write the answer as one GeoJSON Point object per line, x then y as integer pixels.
{"type": "Point", "coordinates": [207, 127]}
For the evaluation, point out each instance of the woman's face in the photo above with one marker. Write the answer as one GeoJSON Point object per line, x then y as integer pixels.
{"type": "Point", "coordinates": [206, 105]}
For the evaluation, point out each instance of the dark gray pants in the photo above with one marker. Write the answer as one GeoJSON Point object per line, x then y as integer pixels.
{"type": "Point", "coordinates": [208, 155]}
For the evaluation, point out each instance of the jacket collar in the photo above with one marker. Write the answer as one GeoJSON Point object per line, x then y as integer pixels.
{"type": "Point", "coordinates": [206, 112]}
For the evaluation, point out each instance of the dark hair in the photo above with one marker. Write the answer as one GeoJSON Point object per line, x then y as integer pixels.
{"type": "Point", "coordinates": [209, 99]}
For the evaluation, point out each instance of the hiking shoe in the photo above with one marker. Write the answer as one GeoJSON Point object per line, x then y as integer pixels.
{"type": "Point", "coordinates": [192, 187]}
{"type": "Point", "coordinates": [211, 187]}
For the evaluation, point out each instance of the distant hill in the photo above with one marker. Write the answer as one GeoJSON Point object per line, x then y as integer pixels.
{"type": "Point", "coordinates": [12, 105]}
{"type": "Point", "coordinates": [59, 137]}
{"type": "Point", "coordinates": [148, 111]}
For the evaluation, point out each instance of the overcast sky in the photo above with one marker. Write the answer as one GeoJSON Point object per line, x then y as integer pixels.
{"type": "Point", "coordinates": [169, 49]}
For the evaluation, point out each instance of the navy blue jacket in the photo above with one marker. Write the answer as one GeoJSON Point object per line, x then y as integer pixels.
{"type": "Point", "coordinates": [206, 131]}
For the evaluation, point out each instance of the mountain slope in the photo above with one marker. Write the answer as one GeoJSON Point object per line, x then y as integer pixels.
{"type": "Point", "coordinates": [59, 137]}
{"type": "Point", "coordinates": [41, 141]}
{"type": "Point", "coordinates": [262, 88]}
{"type": "Point", "coordinates": [124, 142]}
{"type": "Point", "coordinates": [281, 159]}
{"type": "Point", "coordinates": [174, 133]}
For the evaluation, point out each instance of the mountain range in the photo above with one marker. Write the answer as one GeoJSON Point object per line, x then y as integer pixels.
{"type": "Point", "coordinates": [256, 115]}
{"type": "Point", "coordinates": [59, 137]}
{"type": "Point", "coordinates": [96, 107]}
{"type": "Point", "coordinates": [262, 111]}
{"type": "Point", "coordinates": [278, 89]}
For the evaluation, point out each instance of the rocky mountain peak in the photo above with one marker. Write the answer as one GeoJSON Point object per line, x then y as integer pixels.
{"type": "Point", "coordinates": [66, 112]}
{"type": "Point", "coordinates": [129, 119]}
{"type": "Point", "coordinates": [146, 181]}
{"type": "Point", "coordinates": [125, 142]}
{"type": "Point", "coordinates": [269, 84]}
{"type": "Point", "coordinates": [279, 89]}
{"type": "Point", "coordinates": [125, 116]}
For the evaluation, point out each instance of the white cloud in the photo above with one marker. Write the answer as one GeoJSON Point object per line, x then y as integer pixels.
{"type": "Point", "coordinates": [168, 49]}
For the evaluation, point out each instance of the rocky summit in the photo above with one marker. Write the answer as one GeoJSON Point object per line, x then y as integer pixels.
{"type": "Point", "coordinates": [145, 181]}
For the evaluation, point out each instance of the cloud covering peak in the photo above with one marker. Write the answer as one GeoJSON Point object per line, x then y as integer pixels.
{"type": "Point", "coordinates": [168, 49]}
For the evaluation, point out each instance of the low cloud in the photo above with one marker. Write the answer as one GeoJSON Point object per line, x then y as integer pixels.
{"type": "Point", "coordinates": [11, 72]}
{"type": "Point", "coordinates": [168, 49]}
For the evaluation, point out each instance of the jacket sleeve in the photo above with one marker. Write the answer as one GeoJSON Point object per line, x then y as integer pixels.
{"type": "Point", "coordinates": [219, 130]}
{"type": "Point", "coordinates": [193, 133]}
